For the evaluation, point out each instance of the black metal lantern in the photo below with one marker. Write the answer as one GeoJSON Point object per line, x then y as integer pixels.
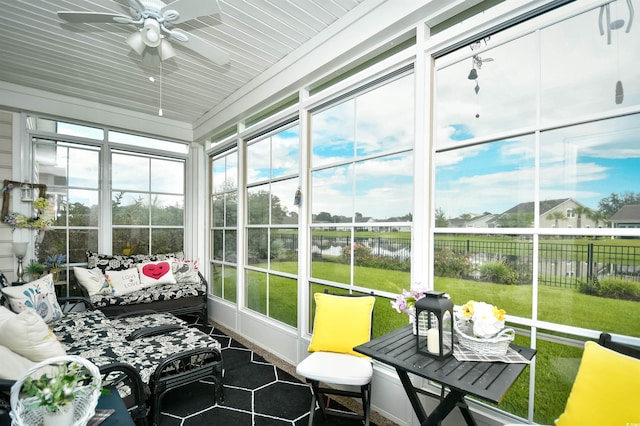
{"type": "Point", "coordinates": [438, 311]}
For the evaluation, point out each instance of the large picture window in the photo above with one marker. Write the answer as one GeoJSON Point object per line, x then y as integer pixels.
{"type": "Point", "coordinates": [534, 187]}
{"type": "Point", "coordinates": [362, 193]}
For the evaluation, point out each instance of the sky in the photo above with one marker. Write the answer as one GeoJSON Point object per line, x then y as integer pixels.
{"type": "Point", "coordinates": [572, 70]}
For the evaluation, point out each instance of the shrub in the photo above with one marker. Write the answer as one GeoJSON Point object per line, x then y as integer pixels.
{"type": "Point", "coordinates": [448, 263]}
{"type": "Point", "coordinates": [361, 253]}
{"type": "Point", "coordinates": [498, 272]}
{"type": "Point", "coordinates": [591, 287]}
{"type": "Point", "coordinates": [614, 288]}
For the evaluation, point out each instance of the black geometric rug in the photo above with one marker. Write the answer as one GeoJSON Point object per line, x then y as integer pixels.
{"type": "Point", "coordinates": [256, 393]}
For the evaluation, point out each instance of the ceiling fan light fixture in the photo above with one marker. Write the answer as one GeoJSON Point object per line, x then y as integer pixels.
{"type": "Point", "coordinates": [151, 34]}
{"type": "Point", "coordinates": [136, 42]}
{"type": "Point", "coordinates": [165, 50]}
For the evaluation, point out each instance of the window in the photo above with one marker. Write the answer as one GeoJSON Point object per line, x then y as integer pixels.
{"type": "Point", "coordinates": [272, 224]}
{"type": "Point", "coordinates": [147, 203]}
{"type": "Point", "coordinates": [146, 191]}
{"type": "Point", "coordinates": [543, 161]}
{"type": "Point", "coordinates": [362, 191]}
{"type": "Point", "coordinates": [72, 174]}
{"type": "Point", "coordinates": [224, 225]}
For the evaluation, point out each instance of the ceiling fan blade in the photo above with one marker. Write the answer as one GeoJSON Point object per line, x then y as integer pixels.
{"type": "Point", "coordinates": [191, 9]}
{"type": "Point", "coordinates": [92, 17]}
{"type": "Point", "coordinates": [206, 50]}
{"type": "Point", "coordinates": [136, 5]}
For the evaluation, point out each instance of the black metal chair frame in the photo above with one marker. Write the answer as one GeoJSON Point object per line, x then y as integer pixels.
{"type": "Point", "coordinates": [184, 369]}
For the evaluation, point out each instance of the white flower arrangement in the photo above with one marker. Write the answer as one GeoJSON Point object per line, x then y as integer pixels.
{"type": "Point", "coordinates": [484, 319]}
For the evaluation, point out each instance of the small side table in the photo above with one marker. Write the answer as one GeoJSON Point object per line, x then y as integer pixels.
{"type": "Point", "coordinates": [113, 401]}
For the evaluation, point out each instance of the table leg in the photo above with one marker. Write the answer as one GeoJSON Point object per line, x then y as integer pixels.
{"type": "Point", "coordinates": [466, 413]}
{"type": "Point", "coordinates": [452, 400]}
{"type": "Point", "coordinates": [413, 395]}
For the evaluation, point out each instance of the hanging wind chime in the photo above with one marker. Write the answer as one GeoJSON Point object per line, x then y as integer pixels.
{"type": "Point", "coordinates": [476, 64]}
{"type": "Point", "coordinates": [605, 12]}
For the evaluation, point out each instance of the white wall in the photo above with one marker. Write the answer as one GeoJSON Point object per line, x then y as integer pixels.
{"type": "Point", "coordinates": [6, 156]}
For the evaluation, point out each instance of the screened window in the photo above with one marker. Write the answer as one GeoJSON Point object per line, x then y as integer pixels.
{"type": "Point", "coordinates": [539, 151]}
{"type": "Point", "coordinates": [273, 164]}
{"type": "Point", "coordinates": [224, 225]}
{"type": "Point", "coordinates": [147, 203]}
{"type": "Point", "coordinates": [362, 191]}
{"type": "Point", "coordinates": [71, 173]}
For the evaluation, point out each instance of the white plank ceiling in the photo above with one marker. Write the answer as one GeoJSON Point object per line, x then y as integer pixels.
{"type": "Point", "coordinates": [94, 62]}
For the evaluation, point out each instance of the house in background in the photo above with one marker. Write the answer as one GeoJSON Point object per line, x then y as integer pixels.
{"type": "Point", "coordinates": [627, 217]}
{"type": "Point", "coordinates": [559, 213]}
{"type": "Point", "coordinates": [484, 220]}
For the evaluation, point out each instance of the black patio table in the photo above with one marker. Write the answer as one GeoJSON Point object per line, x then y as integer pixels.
{"type": "Point", "coordinates": [486, 380]}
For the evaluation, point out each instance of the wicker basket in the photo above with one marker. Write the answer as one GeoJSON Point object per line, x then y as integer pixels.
{"type": "Point", "coordinates": [497, 345]}
{"type": "Point", "coordinates": [84, 403]}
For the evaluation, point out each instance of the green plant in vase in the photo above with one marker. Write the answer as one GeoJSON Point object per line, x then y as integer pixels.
{"type": "Point", "coordinates": [35, 269]}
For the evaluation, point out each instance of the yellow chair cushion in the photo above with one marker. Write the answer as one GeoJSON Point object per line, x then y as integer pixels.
{"type": "Point", "coordinates": [605, 391]}
{"type": "Point", "coordinates": [341, 323]}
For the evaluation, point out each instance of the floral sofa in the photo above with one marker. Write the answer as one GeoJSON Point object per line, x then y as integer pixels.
{"type": "Point", "coordinates": [118, 284]}
{"type": "Point", "coordinates": [154, 352]}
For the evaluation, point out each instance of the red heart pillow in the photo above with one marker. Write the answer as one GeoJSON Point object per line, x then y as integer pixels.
{"type": "Point", "coordinates": [157, 270]}
{"type": "Point", "coordinates": [154, 273]}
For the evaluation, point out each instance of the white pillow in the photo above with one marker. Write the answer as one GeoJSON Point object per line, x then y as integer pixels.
{"type": "Point", "coordinates": [185, 271]}
{"type": "Point", "coordinates": [123, 282]}
{"type": "Point", "coordinates": [39, 295]}
{"type": "Point", "coordinates": [28, 335]}
{"type": "Point", "coordinates": [5, 314]}
{"type": "Point", "coordinates": [92, 280]}
{"type": "Point", "coordinates": [13, 365]}
{"type": "Point", "coordinates": [154, 273]}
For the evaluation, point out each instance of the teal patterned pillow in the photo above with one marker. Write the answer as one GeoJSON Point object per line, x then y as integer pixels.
{"type": "Point", "coordinates": [39, 295]}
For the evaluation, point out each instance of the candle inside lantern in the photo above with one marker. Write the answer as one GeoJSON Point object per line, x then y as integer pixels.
{"type": "Point", "coordinates": [433, 341]}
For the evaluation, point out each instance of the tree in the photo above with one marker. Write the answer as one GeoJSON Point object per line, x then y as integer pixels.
{"type": "Point", "coordinates": [580, 211]}
{"type": "Point", "coordinates": [441, 219]}
{"type": "Point", "coordinates": [608, 206]}
{"type": "Point", "coordinates": [466, 217]}
{"type": "Point", "coordinates": [324, 217]}
{"type": "Point", "coordinates": [556, 216]}
{"type": "Point", "coordinates": [597, 216]}
{"type": "Point", "coordinates": [516, 220]}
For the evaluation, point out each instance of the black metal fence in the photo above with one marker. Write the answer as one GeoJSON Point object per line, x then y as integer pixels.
{"type": "Point", "coordinates": [560, 265]}
{"type": "Point", "coordinates": [395, 248]}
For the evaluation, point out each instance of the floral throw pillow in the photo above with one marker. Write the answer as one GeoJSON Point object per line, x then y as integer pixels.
{"type": "Point", "coordinates": [39, 295]}
{"type": "Point", "coordinates": [92, 280]}
{"type": "Point", "coordinates": [185, 271]}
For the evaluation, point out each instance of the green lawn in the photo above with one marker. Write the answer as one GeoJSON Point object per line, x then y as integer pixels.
{"type": "Point", "coordinates": [556, 364]}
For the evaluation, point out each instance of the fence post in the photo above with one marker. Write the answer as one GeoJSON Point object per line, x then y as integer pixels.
{"type": "Point", "coordinates": [589, 262]}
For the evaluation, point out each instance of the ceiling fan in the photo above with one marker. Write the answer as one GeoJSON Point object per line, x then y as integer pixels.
{"type": "Point", "coordinates": [154, 20]}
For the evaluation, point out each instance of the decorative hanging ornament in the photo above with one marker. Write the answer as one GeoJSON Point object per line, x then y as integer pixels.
{"type": "Point", "coordinates": [297, 199]}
